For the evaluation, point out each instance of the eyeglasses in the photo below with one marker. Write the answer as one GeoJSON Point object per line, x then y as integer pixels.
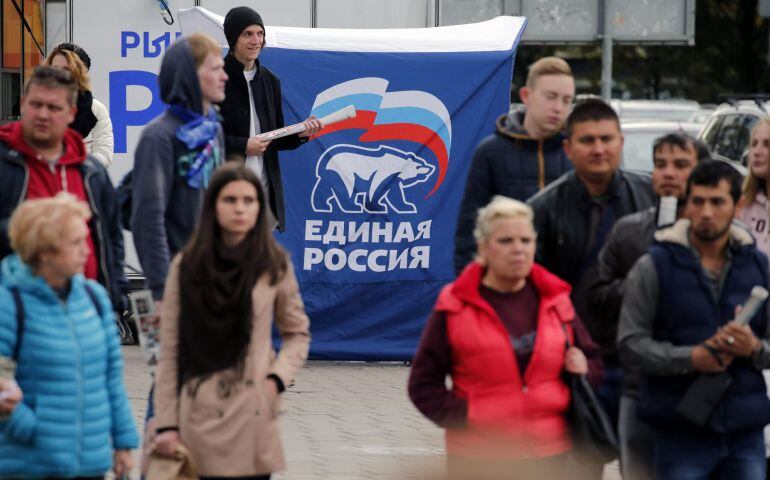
{"type": "Point", "coordinates": [45, 72]}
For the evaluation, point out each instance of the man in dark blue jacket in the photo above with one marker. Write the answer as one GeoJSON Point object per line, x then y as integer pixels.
{"type": "Point", "coordinates": [675, 324]}
{"type": "Point", "coordinates": [524, 154]}
{"type": "Point", "coordinates": [41, 157]}
{"type": "Point", "coordinates": [674, 156]}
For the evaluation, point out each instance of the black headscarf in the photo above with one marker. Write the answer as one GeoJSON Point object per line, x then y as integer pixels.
{"type": "Point", "coordinates": [215, 319]}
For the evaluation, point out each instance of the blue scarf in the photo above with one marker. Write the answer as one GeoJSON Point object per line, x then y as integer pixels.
{"type": "Point", "coordinates": [198, 132]}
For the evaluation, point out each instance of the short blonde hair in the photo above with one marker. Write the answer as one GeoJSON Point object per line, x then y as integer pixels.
{"type": "Point", "coordinates": [37, 226]}
{"type": "Point", "coordinates": [547, 66]}
{"type": "Point", "coordinates": [500, 207]}
{"type": "Point", "coordinates": [201, 45]}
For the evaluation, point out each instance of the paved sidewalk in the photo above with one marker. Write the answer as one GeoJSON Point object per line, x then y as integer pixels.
{"type": "Point", "coordinates": [343, 421]}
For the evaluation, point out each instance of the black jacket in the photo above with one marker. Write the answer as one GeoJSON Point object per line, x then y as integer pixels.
{"type": "Point", "coordinates": [562, 215]}
{"type": "Point", "coordinates": [629, 239]}
{"type": "Point", "coordinates": [236, 121]}
{"type": "Point", "coordinates": [104, 224]}
{"type": "Point", "coordinates": [510, 163]}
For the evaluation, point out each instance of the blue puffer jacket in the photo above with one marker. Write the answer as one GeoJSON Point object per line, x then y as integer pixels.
{"type": "Point", "coordinates": [75, 410]}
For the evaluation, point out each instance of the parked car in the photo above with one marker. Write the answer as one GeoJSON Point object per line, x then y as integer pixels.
{"type": "Point", "coordinates": [653, 110]}
{"type": "Point", "coordinates": [639, 137]}
{"type": "Point", "coordinates": [727, 131]}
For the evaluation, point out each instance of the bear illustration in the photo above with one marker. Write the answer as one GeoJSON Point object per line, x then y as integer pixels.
{"type": "Point", "coordinates": [367, 180]}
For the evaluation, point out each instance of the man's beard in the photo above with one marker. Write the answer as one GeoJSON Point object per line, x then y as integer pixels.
{"type": "Point", "coordinates": [710, 235]}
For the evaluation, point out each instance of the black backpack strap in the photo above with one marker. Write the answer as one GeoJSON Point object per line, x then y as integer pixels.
{"type": "Point", "coordinates": [16, 294]}
{"type": "Point", "coordinates": [19, 321]}
{"type": "Point", "coordinates": [567, 343]}
{"type": "Point", "coordinates": [94, 299]}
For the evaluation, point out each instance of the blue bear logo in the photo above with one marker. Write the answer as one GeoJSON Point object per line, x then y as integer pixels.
{"type": "Point", "coordinates": [367, 180]}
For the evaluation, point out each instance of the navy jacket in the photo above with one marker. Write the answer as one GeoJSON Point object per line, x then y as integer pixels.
{"type": "Point", "coordinates": [688, 315]}
{"type": "Point", "coordinates": [104, 224]}
{"type": "Point", "coordinates": [510, 163]}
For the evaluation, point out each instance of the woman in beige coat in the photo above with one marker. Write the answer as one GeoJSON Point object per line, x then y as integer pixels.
{"type": "Point", "coordinates": [218, 380]}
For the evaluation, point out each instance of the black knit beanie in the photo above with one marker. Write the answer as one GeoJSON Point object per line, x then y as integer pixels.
{"type": "Point", "coordinates": [77, 51]}
{"type": "Point", "coordinates": [237, 20]}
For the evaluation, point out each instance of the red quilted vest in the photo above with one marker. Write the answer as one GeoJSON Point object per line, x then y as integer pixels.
{"type": "Point", "coordinates": [509, 417]}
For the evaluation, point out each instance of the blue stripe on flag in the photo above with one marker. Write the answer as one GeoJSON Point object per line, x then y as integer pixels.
{"type": "Point", "coordinates": [361, 101]}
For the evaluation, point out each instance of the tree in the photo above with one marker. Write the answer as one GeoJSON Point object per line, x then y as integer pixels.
{"type": "Point", "coordinates": [730, 55]}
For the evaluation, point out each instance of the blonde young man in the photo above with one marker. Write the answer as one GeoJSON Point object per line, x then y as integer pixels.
{"type": "Point", "coordinates": [525, 152]}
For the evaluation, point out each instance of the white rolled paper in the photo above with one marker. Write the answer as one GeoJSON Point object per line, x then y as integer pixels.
{"type": "Point", "coordinates": [758, 295]}
{"type": "Point", "coordinates": [667, 211]}
{"type": "Point", "coordinates": [334, 117]}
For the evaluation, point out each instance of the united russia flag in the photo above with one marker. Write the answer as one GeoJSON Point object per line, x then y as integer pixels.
{"type": "Point", "coordinates": [372, 201]}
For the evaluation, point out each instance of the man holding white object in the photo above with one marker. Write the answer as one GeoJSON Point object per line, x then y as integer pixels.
{"type": "Point", "coordinates": [252, 105]}
{"type": "Point", "coordinates": [701, 389]}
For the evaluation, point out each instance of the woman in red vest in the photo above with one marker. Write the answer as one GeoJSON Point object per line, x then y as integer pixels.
{"type": "Point", "coordinates": [500, 330]}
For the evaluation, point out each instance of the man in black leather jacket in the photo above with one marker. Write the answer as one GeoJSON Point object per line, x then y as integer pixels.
{"type": "Point", "coordinates": [574, 214]}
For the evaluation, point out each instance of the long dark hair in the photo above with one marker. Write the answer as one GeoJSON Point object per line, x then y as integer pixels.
{"type": "Point", "coordinates": [216, 283]}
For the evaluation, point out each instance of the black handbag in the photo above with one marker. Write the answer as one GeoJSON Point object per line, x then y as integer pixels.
{"type": "Point", "coordinates": [593, 435]}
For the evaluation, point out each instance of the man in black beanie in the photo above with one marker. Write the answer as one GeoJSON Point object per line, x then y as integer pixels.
{"type": "Point", "coordinates": [253, 105]}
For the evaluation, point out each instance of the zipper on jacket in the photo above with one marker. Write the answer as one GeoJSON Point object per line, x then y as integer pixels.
{"type": "Point", "coordinates": [79, 377]}
{"type": "Point", "coordinates": [540, 165]}
{"type": "Point", "coordinates": [99, 233]}
{"type": "Point", "coordinates": [25, 185]}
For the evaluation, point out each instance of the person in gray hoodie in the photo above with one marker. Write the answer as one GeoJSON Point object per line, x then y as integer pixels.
{"type": "Point", "coordinates": [524, 154]}
{"type": "Point", "coordinates": [176, 155]}
{"type": "Point", "coordinates": [174, 160]}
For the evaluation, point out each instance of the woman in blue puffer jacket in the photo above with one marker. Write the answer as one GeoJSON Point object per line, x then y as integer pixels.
{"type": "Point", "coordinates": [74, 420]}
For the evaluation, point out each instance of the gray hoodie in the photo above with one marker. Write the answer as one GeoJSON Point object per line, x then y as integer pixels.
{"type": "Point", "coordinates": [164, 207]}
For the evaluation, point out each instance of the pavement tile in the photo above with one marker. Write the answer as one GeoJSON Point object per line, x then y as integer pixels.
{"type": "Point", "coordinates": [342, 421]}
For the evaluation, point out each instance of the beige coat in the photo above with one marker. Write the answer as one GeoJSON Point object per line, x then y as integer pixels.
{"type": "Point", "coordinates": [229, 426]}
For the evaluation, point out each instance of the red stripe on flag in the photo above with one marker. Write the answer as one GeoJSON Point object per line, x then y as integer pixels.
{"type": "Point", "coordinates": [414, 133]}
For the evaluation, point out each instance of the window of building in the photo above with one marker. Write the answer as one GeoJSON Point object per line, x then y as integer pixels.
{"type": "Point", "coordinates": [22, 47]}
